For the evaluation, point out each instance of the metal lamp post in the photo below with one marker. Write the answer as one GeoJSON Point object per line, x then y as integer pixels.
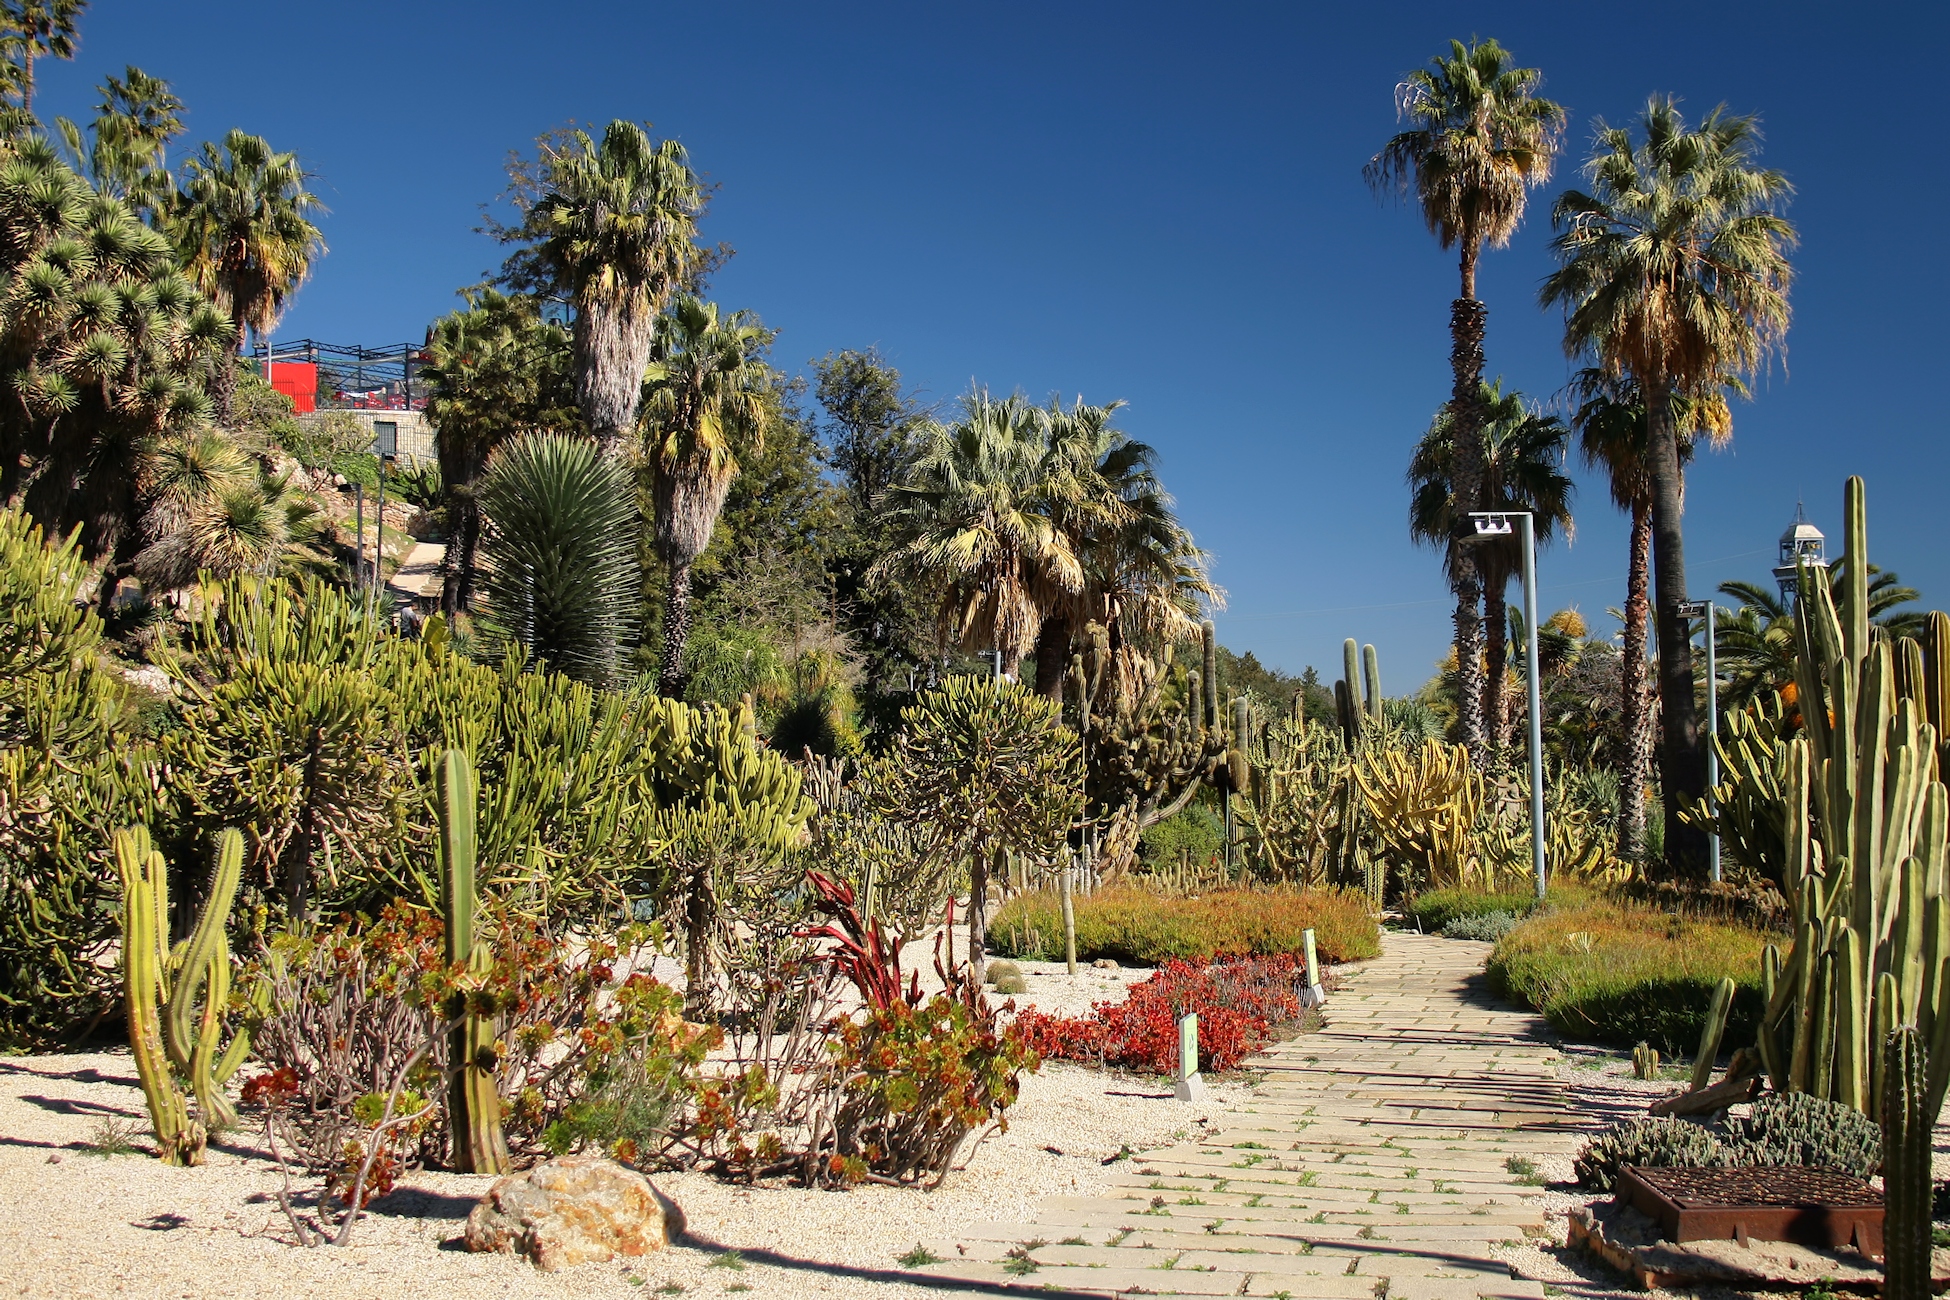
{"type": "Point", "coordinates": [1490, 525]}
{"type": "Point", "coordinates": [1704, 609]}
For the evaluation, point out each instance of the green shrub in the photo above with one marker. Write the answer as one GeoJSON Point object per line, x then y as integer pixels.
{"type": "Point", "coordinates": [1658, 1143]}
{"type": "Point", "coordinates": [1195, 832]}
{"type": "Point", "coordinates": [1483, 927]}
{"type": "Point", "coordinates": [1797, 1129]}
{"type": "Point", "coordinates": [1434, 909]}
{"type": "Point", "coordinates": [357, 467]}
{"type": "Point", "coordinates": [1603, 970]}
{"type": "Point", "coordinates": [1142, 928]}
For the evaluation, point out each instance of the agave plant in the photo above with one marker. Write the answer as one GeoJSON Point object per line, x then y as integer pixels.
{"type": "Point", "coordinates": [561, 549]}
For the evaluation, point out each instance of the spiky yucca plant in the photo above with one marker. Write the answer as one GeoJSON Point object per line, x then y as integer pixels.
{"type": "Point", "coordinates": [561, 549]}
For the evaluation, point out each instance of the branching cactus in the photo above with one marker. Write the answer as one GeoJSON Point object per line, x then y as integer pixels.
{"type": "Point", "coordinates": [473, 1105]}
{"type": "Point", "coordinates": [178, 998]}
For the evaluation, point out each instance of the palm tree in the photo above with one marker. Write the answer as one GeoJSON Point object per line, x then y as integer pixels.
{"type": "Point", "coordinates": [1756, 645]}
{"type": "Point", "coordinates": [243, 231]}
{"type": "Point", "coordinates": [1522, 469]}
{"type": "Point", "coordinates": [495, 369]}
{"type": "Point", "coordinates": [616, 228]}
{"type": "Point", "coordinates": [1480, 138]}
{"type": "Point", "coordinates": [31, 29]}
{"type": "Point", "coordinates": [1144, 580]}
{"type": "Point", "coordinates": [973, 522]}
{"type": "Point", "coordinates": [561, 546]}
{"type": "Point", "coordinates": [1611, 426]}
{"type": "Point", "coordinates": [703, 401]}
{"type": "Point", "coordinates": [128, 157]}
{"type": "Point", "coordinates": [1672, 271]}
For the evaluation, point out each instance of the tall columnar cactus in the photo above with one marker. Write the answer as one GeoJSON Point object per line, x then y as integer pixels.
{"type": "Point", "coordinates": [1238, 766]}
{"type": "Point", "coordinates": [177, 998]}
{"type": "Point", "coordinates": [1906, 1189]}
{"type": "Point", "coordinates": [1145, 753]}
{"type": "Point", "coordinates": [1352, 710]}
{"type": "Point", "coordinates": [1710, 1035]}
{"type": "Point", "coordinates": [1371, 677]}
{"type": "Point", "coordinates": [473, 1105]}
{"type": "Point", "coordinates": [1208, 637]}
{"type": "Point", "coordinates": [1867, 844]}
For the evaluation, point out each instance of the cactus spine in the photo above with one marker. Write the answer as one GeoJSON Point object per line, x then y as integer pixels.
{"type": "Point", "coordinates": [1371, 676]}
{"type": "Point", "coordinates": [473, 1106]}
{"type": "Point", "coordinates": [1906, 1125]}
{"type": "Point", "coordinates": [177, 997]}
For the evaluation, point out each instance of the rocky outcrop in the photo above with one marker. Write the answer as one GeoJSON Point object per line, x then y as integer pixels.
{"type": "Point", "coordinates": [576, 1210]}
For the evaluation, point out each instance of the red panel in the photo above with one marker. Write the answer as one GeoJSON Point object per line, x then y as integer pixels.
{"type": "Point", "coordinates": [297, 380]}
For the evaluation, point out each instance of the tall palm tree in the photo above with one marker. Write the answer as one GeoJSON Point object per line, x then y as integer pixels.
{"type": "Point", "coordinates": [1480, 138]}
{"type": "Point", "coordinates": [1522, 469]}
{"type": "Point", "coordinates": [974, 523]}
{"type": "Point", "coordinates": [495, 369]}
{"type": "Point", "coordinates": [616, 228]}
{"type": "Point", "coordinates": [128, 156]}
{"type": "Point", "coordinates": [703, 400]}
{"type": "Point", "coordinates": [1143, 577]}
{"type": "Point", "coordinates": [1673, 271]}
{"type": "Point", "coordinates": [243, 231]}
{"type": "Point", "coordinates": [31, 29]}
{"type": "Point", "coordinates": [1611, 425]}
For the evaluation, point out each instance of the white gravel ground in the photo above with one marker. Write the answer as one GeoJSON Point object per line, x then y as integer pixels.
{"type": "Point", "coordinates": [73, 1223]}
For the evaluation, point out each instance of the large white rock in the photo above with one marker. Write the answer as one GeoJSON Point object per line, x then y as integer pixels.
{"type": "Point", "coordinates": [576, 1210]}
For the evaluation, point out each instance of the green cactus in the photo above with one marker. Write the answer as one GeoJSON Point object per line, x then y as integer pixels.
{"type": "Point", "coordinates": [177, 998]}
{"type": "Point", "coordinates": [1711, 1033]}
{"type": "Point", "coordinates": [1645, 1061]}
{"type": "Point", "coordinates": [473, 1105]}
{"type": "Point", "coordinates": [1865, 844]}
{"type": "Point", "coordinates": [1238, 766]}
{"type": "Point", "coordinates": [1371, 677]}
{"type": "Point", "coordinates": [1355, 711]}
{"type": "Point", "coordinates": [1144, 752]}
{"type": "Point", "coordinates": [1906, 1190]}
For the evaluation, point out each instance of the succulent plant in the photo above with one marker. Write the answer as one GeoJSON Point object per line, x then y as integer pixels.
{"type": "Point", "coordinates": [1658, 1143]}
{"type": "Point", "coordinates": [1645, 1061]}
{"type": "Point", "coordinates": [1793, 1128]}
{"type": "Point", "coordinates": [1906, 1190]}
{"type": "Point", "coordinates": [473, 1104]}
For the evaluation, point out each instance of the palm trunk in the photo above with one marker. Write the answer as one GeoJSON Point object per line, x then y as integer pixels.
{"type": "Point", "coordinates": [1496, 621]}
{"type": "Point", "coordinates": [223, 383]}
{"type": "Point", "coordinates": [612, 336]}
{"type": "Point", "coordinates": [457, 595]}
{"type": "Point", "coordinates": [1052, 655]}
{"type": "Point", "coordinates": [1466, 325]}
{"type": "Point", "coordinates": [677, 631]}
{"type": "Point", "coordinates": [1682, 764]}
{"type": "Point", "coordinates": [1635, 704]}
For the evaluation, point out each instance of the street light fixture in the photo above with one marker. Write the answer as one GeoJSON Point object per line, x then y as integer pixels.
{"type": "Point", "coordinates": [1704, 609]}
{"type": "Point", "coordinates": [1490, 525]}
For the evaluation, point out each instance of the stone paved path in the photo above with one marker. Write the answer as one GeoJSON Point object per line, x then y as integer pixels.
{"type": "Point", "coordinates": [1381, 1160]}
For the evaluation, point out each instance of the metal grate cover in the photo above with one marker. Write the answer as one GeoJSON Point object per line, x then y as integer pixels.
{"type": "Point", "coordinates": [1818, 1207]}
{"type": "Point", "coordinates": [1783, 1186]}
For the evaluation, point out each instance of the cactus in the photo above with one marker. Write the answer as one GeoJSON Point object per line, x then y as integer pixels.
{"type": "Point", "coordinates": [1710, 1035]}
{"type": "Point", "coordinates": [1143, 752]}
{"type": "Point", "coordinates": [177, 997]}
{"type": "Point", "coordinates": [473, 1105]}
{"type": "Point", "coordinates": [1645, 1061]}
{"type": "Point", "coordinates": [1906, 1190]}
{"type": "Point", "coordinates": [1354, 711]}
{"type": "Point", "coordinates": [1371, 677]}
{"type": "Point", "coordinates": [1865, 836]}
{"type": "Point", "coordinates": [1238, 766]}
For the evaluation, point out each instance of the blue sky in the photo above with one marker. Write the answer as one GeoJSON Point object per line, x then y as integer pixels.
{"type": "Point", "coordinates": [1156, 203]}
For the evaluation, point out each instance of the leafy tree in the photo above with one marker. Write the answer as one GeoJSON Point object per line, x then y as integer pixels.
{"type": "Point", "coordinates": [561, 552]}
{"type": "Point", "coordinates": [1480, 138]}
{"type": "Point", "coordinates": [703, 403]}
{"type": "Point", "coordinates": [1523, 455]}
{"type": "Point", "coordinates": [495, 369]}
{"type": "Point", "coordinates": [243, 231]}
{"type": "Point", "coordinates": [1673, 270]}
{"type": "Point", "coordinates": [871, 426]}
{"type": "Point", "coordinates": [612, 229]}
{"type": "Point", "coordinates": [104, 347]}
{"type": "Point", "coordinates": [992, 765]}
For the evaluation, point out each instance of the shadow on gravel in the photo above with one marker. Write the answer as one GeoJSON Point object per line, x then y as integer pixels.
{"type": "Point", "coordinates": [895, 1276]}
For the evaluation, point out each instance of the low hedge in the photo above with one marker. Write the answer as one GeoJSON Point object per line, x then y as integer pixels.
{"type": "Point", "coordinates": [1139, 927]}
{"type": "Point", "coordinates": [1610, 971]}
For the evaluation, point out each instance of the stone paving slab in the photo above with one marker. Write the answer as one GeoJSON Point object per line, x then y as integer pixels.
{"type": "Point", "coordinates": [1373, 1163]}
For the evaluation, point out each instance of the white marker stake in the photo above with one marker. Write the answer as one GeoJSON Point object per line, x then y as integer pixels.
{"type": "Point", "coordinates": [1313, 995]}
{"type": "Point", "coordinates": [1190, 1085]}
